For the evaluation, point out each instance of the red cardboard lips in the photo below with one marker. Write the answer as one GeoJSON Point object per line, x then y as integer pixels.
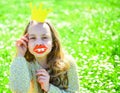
{"type": "Point", "coordinates": [40, 49]}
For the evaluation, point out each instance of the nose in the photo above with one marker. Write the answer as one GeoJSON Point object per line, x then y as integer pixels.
{"type": "Point", "coordinates": [39, 42]}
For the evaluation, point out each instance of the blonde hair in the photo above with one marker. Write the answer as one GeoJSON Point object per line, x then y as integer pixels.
{"type": "Point", "coordinates": [58, 67]}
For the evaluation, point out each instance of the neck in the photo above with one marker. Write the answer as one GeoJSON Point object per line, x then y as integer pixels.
{"type": "Point", "coordinates": [42, 61]}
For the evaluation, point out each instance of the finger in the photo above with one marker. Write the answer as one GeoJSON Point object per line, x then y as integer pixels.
{"type": "Point", "coordinates": [41, 73]}
{"type": "Point", "coordinates": [20, 42]}
{"type": "Point", "coordinates": [42, 84]}
{"type": "Point", "coordinates": [17, 43]}
{"type": "Point", "coordinates": [26, 34]}
{"type": "Point", "coordinates": [40, 80]}
{"type": "Point", "coordinates": [24, 38]}
{"type": "Point", "coordinates": [42, 70]}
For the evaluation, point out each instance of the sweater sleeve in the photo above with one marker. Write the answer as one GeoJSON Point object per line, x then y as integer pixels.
{"type": "Point", "coordinates": [73, 86]}
{"type": "Point", "coordinates": [20, 76]}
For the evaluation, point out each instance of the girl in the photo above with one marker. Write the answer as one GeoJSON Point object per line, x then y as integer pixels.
{"type": "Point", "coordinates": [40, 66]}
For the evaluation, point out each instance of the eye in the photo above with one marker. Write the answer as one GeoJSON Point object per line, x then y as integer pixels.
{"type": "Point", "coordinates": [45, 37]}
{"type": "Point", "coordinates": [32, 38]}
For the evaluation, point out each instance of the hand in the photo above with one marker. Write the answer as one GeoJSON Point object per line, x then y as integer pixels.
{"type": "Point", "coordinates": [21, 45]}
{"type": "Point", "coordinates": [43, 79]}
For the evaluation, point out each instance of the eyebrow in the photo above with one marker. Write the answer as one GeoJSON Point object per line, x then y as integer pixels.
{"type": "Point", "coordinates": [42, 34]}
{"type": "Point", "coordinates": [31, 34]}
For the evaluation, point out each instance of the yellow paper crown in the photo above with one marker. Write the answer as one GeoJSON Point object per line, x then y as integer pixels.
{"type": "Point", "coordinates": [39, 14]}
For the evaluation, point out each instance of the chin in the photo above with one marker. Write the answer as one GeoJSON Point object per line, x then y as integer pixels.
{"type": "Point", "coordinates": [41, 54]}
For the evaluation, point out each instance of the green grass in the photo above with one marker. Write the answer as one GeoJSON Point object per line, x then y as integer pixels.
{"type": "Point", "coordinates": [89, 31]}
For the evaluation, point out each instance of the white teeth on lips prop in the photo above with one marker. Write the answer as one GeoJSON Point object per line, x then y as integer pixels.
{"type": "Point", "coordinates": [40, 49]}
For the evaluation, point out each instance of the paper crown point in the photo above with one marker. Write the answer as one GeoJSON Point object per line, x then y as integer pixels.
{"type": "Point", "coordinates": [39, 14]}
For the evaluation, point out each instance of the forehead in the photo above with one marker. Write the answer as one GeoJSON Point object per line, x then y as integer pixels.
{"type": "Point", "coordinates": [38, 28]}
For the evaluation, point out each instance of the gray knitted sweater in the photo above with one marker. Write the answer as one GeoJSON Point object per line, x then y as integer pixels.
{"type": "Point", "coordinates": [22, 72]}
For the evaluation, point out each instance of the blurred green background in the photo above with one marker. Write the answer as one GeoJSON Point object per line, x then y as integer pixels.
{"type": "Point", "coordinates": [89, 31]}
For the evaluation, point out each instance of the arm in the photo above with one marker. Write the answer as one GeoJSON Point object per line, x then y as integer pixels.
{"type": "Point", "coordinates": [73, 86]}
{"type": "Point", "coordinates": [19, 76]}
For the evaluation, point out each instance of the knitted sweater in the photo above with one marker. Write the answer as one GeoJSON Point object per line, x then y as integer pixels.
{"type": "Point", "coordinates": [22, 72]}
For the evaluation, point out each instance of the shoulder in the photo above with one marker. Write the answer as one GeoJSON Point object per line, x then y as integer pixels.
{"type": "Point", "coordinates": [72, 63]}
{"type": "Point", "coordinates": [20, 63]}
{"type": "Point", "coordinates": [72, 75]}
{"type": "Point", "coordinates": [71, 60]}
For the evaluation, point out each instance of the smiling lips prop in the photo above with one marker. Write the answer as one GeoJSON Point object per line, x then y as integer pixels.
{"type": "Point", "coordinates": [40, 49]}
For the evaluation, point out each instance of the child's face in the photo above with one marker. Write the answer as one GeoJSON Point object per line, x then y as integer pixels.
{"type": "Point", "coordinates": [40, 39]}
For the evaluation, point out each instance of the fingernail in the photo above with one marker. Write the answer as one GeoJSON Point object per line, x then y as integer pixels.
{"type": "Point", "coordinates": [18, 44]}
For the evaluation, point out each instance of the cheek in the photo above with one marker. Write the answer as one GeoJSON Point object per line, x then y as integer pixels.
{"type": "Point", "coordinates": [49, 44]}
{"type": "Point", "coordinates": [30, 46]}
